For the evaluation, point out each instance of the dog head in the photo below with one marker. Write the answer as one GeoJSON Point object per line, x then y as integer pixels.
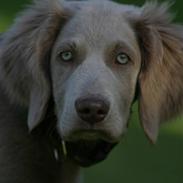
{"type": "Point", "coordinates": [91, 56]}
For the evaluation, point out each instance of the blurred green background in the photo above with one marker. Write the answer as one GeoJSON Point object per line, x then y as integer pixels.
{"type": "Point", "coordinates": [135, 160]}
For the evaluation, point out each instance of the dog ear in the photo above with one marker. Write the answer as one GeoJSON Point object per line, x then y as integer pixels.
{"type": "Point", "coordinates": [161, 76]}
{"type": "Point", "coordinates": [24, 55]}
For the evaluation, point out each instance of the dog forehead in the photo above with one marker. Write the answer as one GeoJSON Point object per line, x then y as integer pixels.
{"type": "Point", "coordinates": [98, 23]}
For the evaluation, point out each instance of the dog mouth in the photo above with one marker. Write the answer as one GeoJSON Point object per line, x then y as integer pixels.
{"type": "Point", "coordinates": [83, 151]}
{"type": "Point", "coordinates": [87, 153]}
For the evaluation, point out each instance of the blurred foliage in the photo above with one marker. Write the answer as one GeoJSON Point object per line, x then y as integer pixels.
{"type": "Point", "coordinates": [135, 159]}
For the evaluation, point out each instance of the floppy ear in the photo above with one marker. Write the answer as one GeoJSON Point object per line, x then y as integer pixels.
{"type": "Point", "coordinates": [24, 55]}
{"type": "Point", "coordinates": [161, 76]}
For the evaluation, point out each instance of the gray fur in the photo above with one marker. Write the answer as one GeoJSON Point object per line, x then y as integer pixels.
{"type": "Point", "coordinates": [31, 73]}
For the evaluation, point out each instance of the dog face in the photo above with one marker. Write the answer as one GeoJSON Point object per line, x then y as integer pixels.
{"type": "Point", "coordinates": [90, 56]}
{"type": "Point", "coordinates": [94, 69]}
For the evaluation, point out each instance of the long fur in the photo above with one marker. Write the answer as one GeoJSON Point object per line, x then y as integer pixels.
{"type": "Point", "coordinates": [160, 80]}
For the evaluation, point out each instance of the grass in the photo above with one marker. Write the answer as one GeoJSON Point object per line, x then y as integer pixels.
{"type": "Point", "coordinates": [135, 159]}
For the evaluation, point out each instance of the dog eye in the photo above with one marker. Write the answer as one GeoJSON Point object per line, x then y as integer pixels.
{"type": "Point", "coordinates": [122, 58]}
{"type": "Point", "coordinates": [66, 56]}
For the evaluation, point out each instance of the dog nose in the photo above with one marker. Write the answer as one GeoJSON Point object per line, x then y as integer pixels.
{"type": "Point", "coordinates": [92, 110]}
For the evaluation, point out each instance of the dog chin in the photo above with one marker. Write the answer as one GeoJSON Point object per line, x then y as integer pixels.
{"type": "Point", "coordinates": [89, 152]}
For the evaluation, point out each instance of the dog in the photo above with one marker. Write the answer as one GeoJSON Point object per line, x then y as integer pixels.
{"type": "Point", "coordinates": [70, 72]}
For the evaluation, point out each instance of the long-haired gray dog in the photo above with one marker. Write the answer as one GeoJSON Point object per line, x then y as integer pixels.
{"type": "Point", "coordinates": [69, 74]}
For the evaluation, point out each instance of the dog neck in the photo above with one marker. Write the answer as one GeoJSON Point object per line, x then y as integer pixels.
{"type": "Point", "coordinates": [71, 173]}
